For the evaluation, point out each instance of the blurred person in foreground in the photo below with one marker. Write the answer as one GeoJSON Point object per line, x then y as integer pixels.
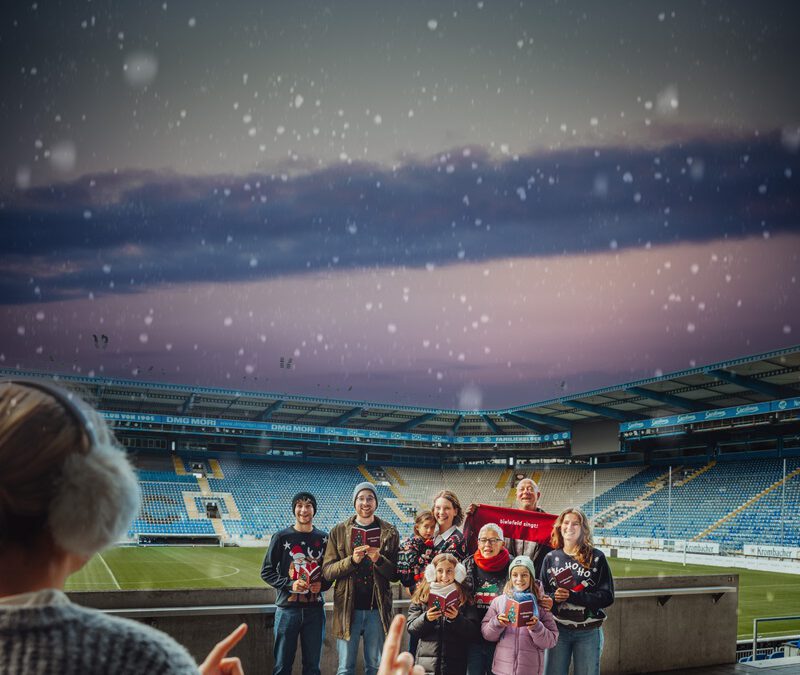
{"type": "Point", "coordinates": [67, 491]}
{"type": "Point", "coordinates": [392, 661]}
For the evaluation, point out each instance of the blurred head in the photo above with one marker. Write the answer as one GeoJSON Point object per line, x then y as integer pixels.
{"type": "Point", "coordinates": [62, 475]}
{"type": "Point", "coordinates": [490, 540]}
{"type": "Point", "coordinates": [425, 524]}
{"type": "Point", "coordinates": [527, 494]}
{"type": "Point", "coordinates": [447, 510]}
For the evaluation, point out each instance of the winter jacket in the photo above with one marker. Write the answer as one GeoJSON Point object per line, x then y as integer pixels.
{"type": "Point", "coordinates": [443, 644]}
{"type": "Point", "coordinates": [519, 651]}
{"type": "Point", "coordinates": [338, 566]}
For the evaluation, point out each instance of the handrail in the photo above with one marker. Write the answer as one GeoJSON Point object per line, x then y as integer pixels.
{"type": "Point", "coordinates": [690, 590]}
{"type": "Point", "coordinates": [764, 619]}
{"type": "Point", "coordinates": [206, 610]}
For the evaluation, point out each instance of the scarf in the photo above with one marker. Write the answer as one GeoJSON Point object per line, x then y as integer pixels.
{"type": "Point", "coordinates": [493, 564]}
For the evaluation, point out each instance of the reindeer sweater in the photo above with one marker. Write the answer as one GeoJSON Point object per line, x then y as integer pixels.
{"type": "Point", "coordinates": [288, 551]}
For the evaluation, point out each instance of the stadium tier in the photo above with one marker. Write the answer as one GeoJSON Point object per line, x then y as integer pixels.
{"type": "Point", "coordinates": [731, 503]}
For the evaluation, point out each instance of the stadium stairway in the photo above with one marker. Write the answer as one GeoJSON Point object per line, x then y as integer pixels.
{"type": "Point", "coordinates": [395, 476]}
{"type": "Point", "coordinates": [622, 510]}
{"type": "Point", "coordinates": [216, 469]}
{"type": "Point", "coordinates": [748, 504]}
{"type": "Point", "coordinates": [180, 469]}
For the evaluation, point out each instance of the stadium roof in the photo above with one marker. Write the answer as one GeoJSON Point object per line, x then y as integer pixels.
{"type": "Point", "coordinates": [743, 381]}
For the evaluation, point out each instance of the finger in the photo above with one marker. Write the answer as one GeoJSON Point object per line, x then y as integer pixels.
{"type": "Point", "coordinates": [391, 645]}
{"type": "Point", "coordinates": [221, 649]}
{"type": "Point", "coordinates": [403, 663]}
{"type": "Point", "coordinates": [231, 666]}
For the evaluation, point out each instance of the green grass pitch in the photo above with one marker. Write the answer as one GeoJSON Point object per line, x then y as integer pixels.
{"type": "Point", "coordinates": [760, 593]}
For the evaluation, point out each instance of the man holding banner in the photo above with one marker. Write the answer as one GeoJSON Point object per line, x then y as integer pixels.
{"type": "Point", "coordinates": [527, 528]}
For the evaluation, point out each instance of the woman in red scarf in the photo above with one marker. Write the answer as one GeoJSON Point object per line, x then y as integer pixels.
{"type": "Point", "coordinates": [487, 571]}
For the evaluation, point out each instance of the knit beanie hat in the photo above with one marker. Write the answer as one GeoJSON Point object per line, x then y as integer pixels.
{"type": "Point", "coordinates": [366, 485]}
{"type": "Point", "coordinates": [522, 561]}
{"type": "Point", "coordinates": [304, 497]}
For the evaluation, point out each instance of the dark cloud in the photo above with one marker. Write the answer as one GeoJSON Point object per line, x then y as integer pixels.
{"type": "Point", "coordinates": [129, 231]}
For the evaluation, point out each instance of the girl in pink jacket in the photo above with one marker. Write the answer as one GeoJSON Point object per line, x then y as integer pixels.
{"type": "Point", "coordinates": [520, 650]}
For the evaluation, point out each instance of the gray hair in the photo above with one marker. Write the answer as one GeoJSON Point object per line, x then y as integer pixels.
{"type": "Point", "coordinates": [491, 526]}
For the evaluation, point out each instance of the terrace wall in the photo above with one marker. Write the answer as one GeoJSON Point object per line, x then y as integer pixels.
{"type": "Point", "coordinates": [654, 631]}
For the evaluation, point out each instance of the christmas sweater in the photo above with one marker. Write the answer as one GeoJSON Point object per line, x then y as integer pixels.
{"type": "Point", "coordinates": [453, 543]}
{"type": "Point", "coordinates": [290, 556]}
{"type": "Point", "coordinates": [484, 586]}
{"type": "Point", "coordinates": [413, 556]}
{"type": "Point", "coordinates": [590, 588]}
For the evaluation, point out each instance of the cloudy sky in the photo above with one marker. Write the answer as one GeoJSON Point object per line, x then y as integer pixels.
{"type": "Point", "coordinates": [456, 204]}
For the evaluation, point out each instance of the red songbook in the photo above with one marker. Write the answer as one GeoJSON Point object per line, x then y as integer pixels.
{"type": "Point", "coordinates": [562, 579]}
{"type": "Point", "coordinates": [519, 612]}
{"type": "Point", "coordinates": [444, 598]}
{"type": "Point", "coordinates": [361, 536]}
{"type": "Point", "coordinates": [311, 572]}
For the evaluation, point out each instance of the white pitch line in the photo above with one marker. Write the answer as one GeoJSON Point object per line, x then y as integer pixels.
{"type": "Point", "coordinates": [113, 578]}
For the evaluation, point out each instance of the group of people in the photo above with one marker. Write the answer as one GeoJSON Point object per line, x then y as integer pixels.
{"type": "Point", "coordinates": [67, 491]}
{"type": "Point", "coordinates": [462, 614]}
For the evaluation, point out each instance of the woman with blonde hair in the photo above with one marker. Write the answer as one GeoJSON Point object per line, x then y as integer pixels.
{"type": "Point", "coordinates": [67, 491]}
{"type": "Point", "coordinates": [577, 576]}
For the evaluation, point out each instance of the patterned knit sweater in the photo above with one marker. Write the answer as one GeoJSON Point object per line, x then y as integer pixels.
{"type": "Point", "coordinates": [61, 637]}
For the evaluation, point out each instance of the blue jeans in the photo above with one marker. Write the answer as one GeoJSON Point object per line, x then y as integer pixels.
{"type": "Point", "coordinates": [479, 658]}
{"type": "Point", "coordinates": [582, 647]}
{"type": "Point", "coordinates": [366, 622]}
{"type": "Point", "coordinates": [307, 623]}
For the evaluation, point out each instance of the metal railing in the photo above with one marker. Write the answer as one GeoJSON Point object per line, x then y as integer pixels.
{"type": "Point", "coordinates": [764, 620]}
{"type": "Point", "coordinates": [663, 594]}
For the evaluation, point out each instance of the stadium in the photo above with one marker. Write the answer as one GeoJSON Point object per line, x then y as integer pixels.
{"type": "Point", "coordinates": [689, 474]}
{"type": "Point", "coordinates": [288, 248]}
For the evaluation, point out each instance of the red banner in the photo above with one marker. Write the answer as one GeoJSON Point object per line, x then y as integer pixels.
{"type": "Point", "coordinates": [517, 524]}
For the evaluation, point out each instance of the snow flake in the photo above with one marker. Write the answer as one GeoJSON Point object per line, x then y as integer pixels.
{"type": "Point", "coordinates": [63, 156]}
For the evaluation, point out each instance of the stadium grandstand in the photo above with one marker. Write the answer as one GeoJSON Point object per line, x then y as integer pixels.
{"type": "Point", "coordinates": [701, 461]}
{"type": "Point", "coordinates": [710, 454]}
